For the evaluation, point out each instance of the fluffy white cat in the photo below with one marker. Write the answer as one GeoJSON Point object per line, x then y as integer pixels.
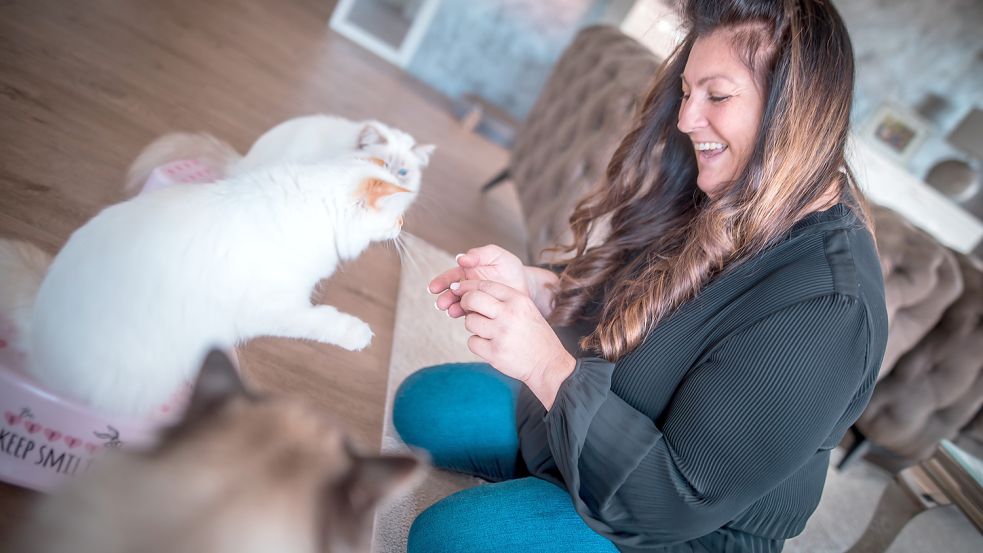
{"type": "Point", "coordinates": [138, 295]}
{"type": "Point", "coordinates": [305, 139]}
{"type": "Point", "coordinates": [318, 137]}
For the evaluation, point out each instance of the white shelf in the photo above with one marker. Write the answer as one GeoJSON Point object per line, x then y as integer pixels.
{"type": "Point", "coordinates": [888, 184]}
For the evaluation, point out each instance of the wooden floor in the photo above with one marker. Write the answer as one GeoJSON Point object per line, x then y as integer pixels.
{"type": "Point", "coordinates": [84, 85]}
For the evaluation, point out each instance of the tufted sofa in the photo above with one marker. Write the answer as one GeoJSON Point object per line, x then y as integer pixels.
{"type": "Point", "coordinates": [921, 279]}
{"type": "Point", "coordinates": [573, 128]}
{"type": "Point", "coordinates": [931, 381]}
{"type": "Point", "coordinates": [935, 389]}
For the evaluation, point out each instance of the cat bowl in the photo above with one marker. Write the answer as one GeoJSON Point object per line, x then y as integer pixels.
{"type": "Point", "coordinates": [182, 171]}
{"type": "Point", "coordinates": [46, 439]}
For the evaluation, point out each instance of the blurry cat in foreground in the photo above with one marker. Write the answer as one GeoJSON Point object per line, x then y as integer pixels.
{"type": "Point", "coordinates": [240, 474]}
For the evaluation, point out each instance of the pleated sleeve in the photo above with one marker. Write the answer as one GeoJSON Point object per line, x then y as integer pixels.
{"type": "Point", "coordinates": [754, 410]}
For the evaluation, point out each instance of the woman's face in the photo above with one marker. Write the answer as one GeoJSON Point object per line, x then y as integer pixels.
{"type": "Point", "coordinates": [721, 109]}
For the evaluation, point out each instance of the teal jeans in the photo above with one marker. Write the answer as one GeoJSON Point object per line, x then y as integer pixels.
{"type": "Point", "coordinates": [463, 414]}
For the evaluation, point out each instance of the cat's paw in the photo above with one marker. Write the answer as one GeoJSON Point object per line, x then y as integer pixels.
{"type": "Point", "coordinates": [356, 337]}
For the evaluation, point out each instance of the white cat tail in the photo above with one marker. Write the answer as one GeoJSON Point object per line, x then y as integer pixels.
{"type": "Point", "coordinates": [22, 269]}
{"type": "Point", "coordinates": [176, 146]}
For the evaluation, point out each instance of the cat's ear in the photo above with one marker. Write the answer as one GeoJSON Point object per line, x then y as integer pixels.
{"type": "Point", "coordinates": [423, 153]}
{"type": "Point", "coordinates": [370, 135]}
{"type": "Point", "coordinates": [218, 381]}
{"type": "Point", "coordinates": [372, 190]}
{"type": "Point", "coordinates": [374, 478]}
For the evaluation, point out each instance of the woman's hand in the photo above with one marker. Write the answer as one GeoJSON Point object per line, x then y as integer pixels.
{"type": "Point", "coordinates": [511, 334]}
{"type": "Point", "coordinates": [485, 263]}
{"type": "Point", "coordinates": [499, 265]}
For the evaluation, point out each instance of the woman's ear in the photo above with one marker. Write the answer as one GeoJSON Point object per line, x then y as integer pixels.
{"type": "Point", "coordinates": [372, 190]}
{"type": "Point", "coordinates": [370, 136]}
{"type": "Point", "coordinates": [423, 153]}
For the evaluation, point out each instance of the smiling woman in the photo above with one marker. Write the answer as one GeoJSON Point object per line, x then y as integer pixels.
{"type": "Point", "coordinates": [721, 111]}
{"type": "Point", "coordinates": [752, 110]}
{"type": "Point", "coordinates": [736, 314]}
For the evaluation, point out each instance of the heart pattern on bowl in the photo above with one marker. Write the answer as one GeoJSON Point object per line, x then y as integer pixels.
{"type": "Point", "coordinates": [51, 434]}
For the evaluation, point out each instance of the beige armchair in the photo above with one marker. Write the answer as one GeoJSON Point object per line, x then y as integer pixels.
{"type": "Point", "coordinates": [564, 145]}
{"type": "Point", "coordinates": [935, 390]}
{"type": "Point", "coordinates": [921, 279]}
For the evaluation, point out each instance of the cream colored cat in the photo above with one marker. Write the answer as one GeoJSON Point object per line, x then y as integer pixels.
{"type": "Point", "coordinates": [306, 139]}
{"type": "Point", "coordinates": [137, 296]}
{"type": "Point", "coordinates": [241, 474]}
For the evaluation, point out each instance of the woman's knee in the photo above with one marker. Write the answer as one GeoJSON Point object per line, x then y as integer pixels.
{"type": "Point", "coordinates": [447, 402]}
{"type": "Point", "coordinates": [459, 413]}
{"type": "Point", "coordinates": [527, 514]}
{"type": "Point", "coordinates": [459, 523]}
{"type": "Point", "coordinates": [440, 529]}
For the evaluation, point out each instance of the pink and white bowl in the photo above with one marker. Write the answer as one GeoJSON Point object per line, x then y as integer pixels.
{"type": "Point", "coordinates": [46, 439]}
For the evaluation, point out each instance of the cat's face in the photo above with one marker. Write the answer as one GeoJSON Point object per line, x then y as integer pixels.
{"type": "Point", "coordinates": [273, 471]}
{"type": "Point", "coordinates": [380, 204]}
{"type": "Point", "coordinates": [402, 156]}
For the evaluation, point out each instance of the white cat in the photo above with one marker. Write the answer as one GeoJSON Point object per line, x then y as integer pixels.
{"type": "Point", "coordinates": [318, 137]}
{"type": "Point", "coordinates": [310, 138]}
{"type": "Point", "coordinates": [140, 293]}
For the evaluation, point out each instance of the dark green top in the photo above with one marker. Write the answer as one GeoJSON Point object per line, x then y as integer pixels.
{"type": "Point", "coordinates": [721, 422]}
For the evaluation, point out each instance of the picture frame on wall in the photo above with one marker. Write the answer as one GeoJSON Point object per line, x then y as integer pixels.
{"type": "Point", "coordinates": [391, 29]}
{"type": "Point", "coordinates": [896, 131]}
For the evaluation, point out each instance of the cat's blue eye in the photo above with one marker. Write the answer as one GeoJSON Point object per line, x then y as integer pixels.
{"type": "Point", "coordinates": [402, 172]}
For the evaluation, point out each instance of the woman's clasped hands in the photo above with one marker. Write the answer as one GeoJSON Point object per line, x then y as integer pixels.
{"type": "Point", "coordinates": [504, 305]}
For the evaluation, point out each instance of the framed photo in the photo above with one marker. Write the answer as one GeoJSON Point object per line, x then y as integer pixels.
{"type": "Point", "coordinates": [391, 29]}
{"type": "Point", "coordinates": [896, 131]}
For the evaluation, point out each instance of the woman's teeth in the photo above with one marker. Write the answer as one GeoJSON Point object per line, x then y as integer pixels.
{"type": "Point", "coordinates": [704, 146]}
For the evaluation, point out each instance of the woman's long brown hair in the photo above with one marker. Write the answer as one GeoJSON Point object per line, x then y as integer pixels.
{"type": "Point", "coordinates": [667, 240]}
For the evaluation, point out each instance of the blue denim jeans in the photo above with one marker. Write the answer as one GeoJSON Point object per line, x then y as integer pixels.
{"type": "Point", "coordinates": [463, 414]}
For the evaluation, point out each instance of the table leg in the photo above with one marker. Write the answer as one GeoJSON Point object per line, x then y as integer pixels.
{"type": "Point", "coordinates": [895, 508]}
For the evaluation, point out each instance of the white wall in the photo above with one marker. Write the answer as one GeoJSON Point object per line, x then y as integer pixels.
{"type": "Point", "coordinates": [888, 184]}
{"type": "Point", "coordinates": [655, 24]}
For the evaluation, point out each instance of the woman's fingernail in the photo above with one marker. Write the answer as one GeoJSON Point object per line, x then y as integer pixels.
{"type": "Point", "coordinates": [428, 289]}
{"type": "Point", "coordinates": [455, 285]}
{"type": "Point", "coordinates": [435, 306]}
{"type": "Point", "coordinates": [458, 256]}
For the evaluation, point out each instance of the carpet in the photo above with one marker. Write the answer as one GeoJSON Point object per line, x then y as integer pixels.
{"type": "Point", "coordinates": [422, 336]}
{"type": "Point", "coordinates": [425, 336]}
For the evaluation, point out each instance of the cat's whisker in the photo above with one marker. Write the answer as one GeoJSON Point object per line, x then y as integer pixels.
{"type": "Point", "coordinates": [401, 249]}
{"type": "Point", "coordinates": [398, 249]}
{"type": "Point", "coordinates": [405, 251]}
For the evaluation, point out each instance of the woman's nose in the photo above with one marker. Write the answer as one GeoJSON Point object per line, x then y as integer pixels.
{"type": "Point", "coordinates": [691, 116]}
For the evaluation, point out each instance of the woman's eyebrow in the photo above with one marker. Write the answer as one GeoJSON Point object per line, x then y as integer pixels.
{"type": "Point", "coordinates": [710, 78]}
